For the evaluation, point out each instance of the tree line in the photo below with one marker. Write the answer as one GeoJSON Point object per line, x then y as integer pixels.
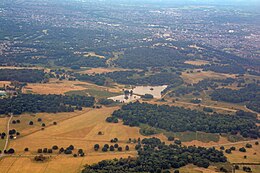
{"type": "Point", "coordinates": [178, 119]}
{"type": "Point", "coordinates": [156, 156]}
{"type": "Point", "coordinates": [22, 75]}
{"type": "Point", "coordinates": [249, 94]}
{"type": "Point", "coordinates": [44, 103]}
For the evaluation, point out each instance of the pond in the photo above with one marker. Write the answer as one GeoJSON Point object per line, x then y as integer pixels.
{"type": "Point", "coordinates": [153, 90]}
{"type": "Point", "coordinates": [124, 99]}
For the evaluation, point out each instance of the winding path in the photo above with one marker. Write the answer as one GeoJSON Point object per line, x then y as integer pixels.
{"type": "Point", "coordinates": [7, 137]}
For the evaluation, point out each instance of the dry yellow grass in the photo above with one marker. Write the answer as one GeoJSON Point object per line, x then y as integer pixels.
{"type": "Point", "coordinates": [101, 70]}
{"type": "Point", "coordinates": [91, 54]}
{"type": "Point", "coordinates": [194, 169]}
{"type": "Point", "coordinates": [253, 154]}
{"type": "Point", "coordinates": [3, 123]}
{"type": "Point", "coordinates": [80, 131]}
{"type": "Point", "coordinates": [12, 67]}
{"type": "Point", "coordinates": [195, 77]}
{"type": "Point", "coordinates": [53, 87]}
{"type": "Point", "coordinates": [197, 62]}
{"type": "Point", "coordinates": [222, 140]}
{"type": "Point", "coordinates": [2, 83]}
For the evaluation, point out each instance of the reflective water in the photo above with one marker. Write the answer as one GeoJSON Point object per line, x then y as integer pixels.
{"type": "Point", "coordinates": [153, 90]}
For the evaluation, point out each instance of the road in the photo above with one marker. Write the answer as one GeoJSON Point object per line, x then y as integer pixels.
{"type": "Point", "coordinates": [7, 135]}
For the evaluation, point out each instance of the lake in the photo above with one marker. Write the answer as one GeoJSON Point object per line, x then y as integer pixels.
{"type": "Point", "coordinates": [153, 90]}
{"type": "Point", "coordinates": [122, 99]}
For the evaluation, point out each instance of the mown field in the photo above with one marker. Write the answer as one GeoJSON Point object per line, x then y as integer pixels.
{"type": "Point", "coordinates": [79, 129]}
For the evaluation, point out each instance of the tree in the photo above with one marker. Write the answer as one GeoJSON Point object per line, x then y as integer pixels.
{"type": "Point", "coordinates": [39, 119]}
{"type": "Point", "coordinates": [45, 150]}
{"type": "Point", "coordinates": [242, 149]}
{"type": "Point", "coordinates": [39, 150]}
{"type": "Point", "coordinates": [248, 145]}
{"type": "Point", "coordinates": [67, 151]}
{"type": "Point", "coordinates": [178, 142]}
{"type": "Point", "coordinates": [96, 147]}
{"type": "Point", "coordinates": [31, 123]}
{"type": "Point", "coordinates": [228, 151]}
{"type": "Point", "coordinates": [26, 149]}
{"type": "Point", "coordinates": [11, 151]}
{"type": "Point", "coordinates": [111, 148]}
{"type": "Point", "coordinates": [61, 150]}
{"type": "Point", "coordinates": [170, 138]}
{"type": "Point", "coordinates": [233, 148]}
{"type": "Point", "coordinates": [127, 148]}
{"type": "Point", "coordinates": [104, 149]}
{"type": "Point", "coordinates": [55, 147]}
{"type": "Point", "coordinates": [120, 149]}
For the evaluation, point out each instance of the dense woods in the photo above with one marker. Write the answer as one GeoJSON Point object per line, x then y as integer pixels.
{"type": "Point", "coordinates": [144, 57]}
{"type": "Point", "coordinates": [72, 61]}
{"type": "Point", "coordinates": [127, 77]}
{"type": "Point", "coordinates": [249, 94]}
{"type": "Point", "coordinates": [133, 78]}
{"type": "Point", "coordinates": [155, 156]}
{"type": "Point", "coordinates": [232, 68]}
{"type": "Point", "coordinates": [177, 119]}
{"type": "Point", "coordinates": [22, 75]}
{"type": "Point", "coordinates": [44, 103]}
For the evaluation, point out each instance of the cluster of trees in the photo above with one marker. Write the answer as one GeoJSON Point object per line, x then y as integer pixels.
{"type": "Point", "coordinates": [97, 79]}
{"type": "Point", "coordinates": [202, 85]}
{"type": "Point", "coordinates": [144, 57]}
{"type": "Point", "coordinates": [22, 75]}
{"type": "Point", "coordinates": [104, 101]}
{"type": "Point", "coordinates": [156, 156]}
{"type": "Point", "coordinates": [44, 103]}
{"type": "Point", "coordinates": [132, 78]}
{"type": "Point", "coordinates": [80, 61]}
{"type": "Point", "coordinates": [147, 96]}
{"type": "Point", "coordinates": [128, 78]}
{"type": "Point", "coordinates": [178, 119]}
{"type": "Point", "coordinates": [249, 94]}
{"type": "Point", "coordinates": [114, 147]}
{"type": "Point", "coordinates": [231, 68]}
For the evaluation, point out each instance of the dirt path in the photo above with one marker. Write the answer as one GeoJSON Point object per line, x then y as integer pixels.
{"type": "Point", "coordinates": [7, 137]}
{"type": "Point", "coordinates": [215, 107]}
{"type": "Point", "coordinates": [234, 143]}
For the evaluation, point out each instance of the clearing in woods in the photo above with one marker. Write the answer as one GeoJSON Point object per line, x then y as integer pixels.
{"type": "Point", "coordinates": [196, 76]}
{"type": "Point", "coordinates": [101, 70]}
{"type": "Point", "coordinates": [197, 62]}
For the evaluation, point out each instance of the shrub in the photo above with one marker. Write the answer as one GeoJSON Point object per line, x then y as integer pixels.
{"type": "Point", "coordinates": [242, 149]}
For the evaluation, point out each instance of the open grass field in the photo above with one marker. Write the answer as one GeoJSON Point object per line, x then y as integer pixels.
{"type": "Point", "coordinates": [12, 67]}
{"type": "Point", "coordinates": [97, 93]}
{"type": "Point", "coordinates": [2, 83]}
{"type": "Point", "coordinates": [3, 122]}
{"type": "Point", "coordinates": [195, 77]}
{"type": "Point", "coordinates": [101, 70]}
{"type": "Point", "coordinates": [81, 131]}
{"type": "Point", "coordinates": [93, 54]}
{"type": "Point", "coordinates": [47, 118]}
{"type": "Point", "coordinates": [54, 86]}
{"type": "Point", "coordinates": [197, 62]}
{"type": "Point", "coordinates": [253, 154]}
